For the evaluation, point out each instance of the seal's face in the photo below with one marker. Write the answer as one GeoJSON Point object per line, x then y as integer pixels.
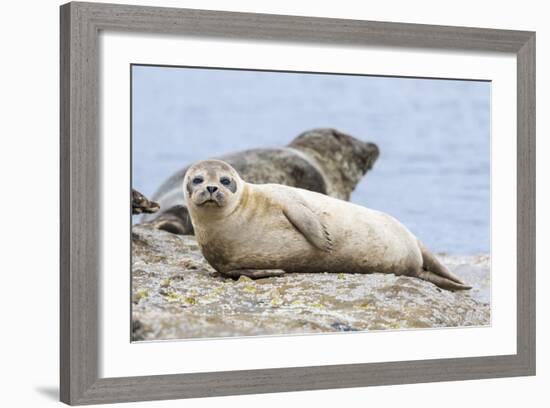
{"type": "Point", "coordinates": [211, 184]}
{"type": "Point", "coordinates": [344, 159]}
{"type": "Point", "coordinates": [338, 146]}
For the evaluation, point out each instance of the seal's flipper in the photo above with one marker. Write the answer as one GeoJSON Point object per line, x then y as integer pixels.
{"type": "Point", "coordinates": [254, 273]}
{"type": "Point", "coordinates": [437, 273]}
{"type": "Point", "coordinates": [302, 217]}
{"type": "Point", "coordinates": [176, 220]}
{"type": "Point", "coordinates": [442, 282]}
{"type": "Point", "coordinates": [432, 264]}
{"type": "Point", "coordinates": [173, 226]}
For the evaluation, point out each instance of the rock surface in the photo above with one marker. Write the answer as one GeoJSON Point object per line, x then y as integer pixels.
{"type": "Point", "coordinates": [177, 295]}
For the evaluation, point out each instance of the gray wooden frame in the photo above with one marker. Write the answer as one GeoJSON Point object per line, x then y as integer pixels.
{"type": "Point", "coordinates": [80, 192]}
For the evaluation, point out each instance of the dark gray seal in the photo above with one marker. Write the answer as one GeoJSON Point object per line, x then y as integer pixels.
{"type": "Point", "coordinates": [326, 161]}
{"type": "Point", "coordinates": [142, 205]}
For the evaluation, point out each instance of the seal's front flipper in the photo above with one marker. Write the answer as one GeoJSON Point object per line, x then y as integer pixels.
{"type": "Point", "coordinates": [302, 217]}
{"type": "Point", "coordinates": [254, 273]}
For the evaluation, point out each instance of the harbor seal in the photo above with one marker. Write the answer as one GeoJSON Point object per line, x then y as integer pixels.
{"type": "Point", "coordinates": [261, 230]}
{"type": "Point", "coordinates": [142, 205]}
{"type": "Point", "coordinates": [323, 160]}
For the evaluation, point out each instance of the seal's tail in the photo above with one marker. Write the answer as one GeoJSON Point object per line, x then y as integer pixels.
{"type": "Point", "coordinates": [176, 220]}
{"type": "Point", "coordinates": [437, 273]}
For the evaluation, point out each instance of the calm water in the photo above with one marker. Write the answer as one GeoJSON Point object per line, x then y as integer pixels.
{"type": "Point", "coordinates": [433, 173]}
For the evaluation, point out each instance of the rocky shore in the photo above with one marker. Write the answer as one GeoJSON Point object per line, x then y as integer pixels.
{"type": "Point", "coordinates": [177, 295]}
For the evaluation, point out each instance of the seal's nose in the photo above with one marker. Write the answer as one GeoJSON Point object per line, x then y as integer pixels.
{"type": "Point", "coordinates": [212, 189]}
{"type": "Point", "coordinates": [372, 152]}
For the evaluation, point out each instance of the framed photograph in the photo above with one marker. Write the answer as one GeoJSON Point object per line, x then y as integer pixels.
{"type": "Point", "coordinates": [356, 198]}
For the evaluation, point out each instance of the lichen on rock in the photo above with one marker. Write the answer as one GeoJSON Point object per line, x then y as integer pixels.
{"type": "Point", "coordinates": [176, 294]}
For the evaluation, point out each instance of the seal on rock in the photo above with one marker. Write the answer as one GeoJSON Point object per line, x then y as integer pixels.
{"type": "Point", "coordinates": [323, 160]}
{"type": "Point", "coordinates": [140, 204]}
{"type": "Point", "coordinates": [261, 230]}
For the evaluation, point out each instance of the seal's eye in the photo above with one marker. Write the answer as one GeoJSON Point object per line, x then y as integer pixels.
{"type": "Point", "coordinates": [225, 181]}
{"type": "Point", "coordinates": [197, 180]}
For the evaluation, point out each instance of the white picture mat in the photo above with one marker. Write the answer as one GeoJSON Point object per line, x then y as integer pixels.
{"type": "Point", "coordinates": [119, 357]}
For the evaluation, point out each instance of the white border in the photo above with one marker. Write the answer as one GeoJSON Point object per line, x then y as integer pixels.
{"type": "Point", "coordinates": [121, 358]}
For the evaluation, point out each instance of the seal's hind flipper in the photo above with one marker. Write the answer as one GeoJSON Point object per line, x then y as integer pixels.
{"type": "Point", "coordinates": [442, 282]}
{"type": "Point", "coordinates": [302, 217]}
{"type": "Point", "coordinates": [176, 220]}
{"type": "Point", "coordinates": [437, 273]}
{"type": "Point", "coordinates": [172, 226]}
{"type": "Point", "coordinates": [431, 263]}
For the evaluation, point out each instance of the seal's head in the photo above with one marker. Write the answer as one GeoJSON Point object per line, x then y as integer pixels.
{"type": "Point", "coordinates": [343, 158]}
{"type": "Point", "coordinates": [212, 186]}
{"type": "Point", "coordinates": [142, 205]}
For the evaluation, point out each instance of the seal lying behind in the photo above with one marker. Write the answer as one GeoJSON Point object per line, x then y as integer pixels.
{"type": "Point", "coordinates": [269, 229]}
{"type": "Point", "coordinates": [322, 160]}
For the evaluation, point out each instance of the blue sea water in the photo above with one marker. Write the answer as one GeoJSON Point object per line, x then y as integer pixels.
{"type": "Point", "coordinates": [433, 173]}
